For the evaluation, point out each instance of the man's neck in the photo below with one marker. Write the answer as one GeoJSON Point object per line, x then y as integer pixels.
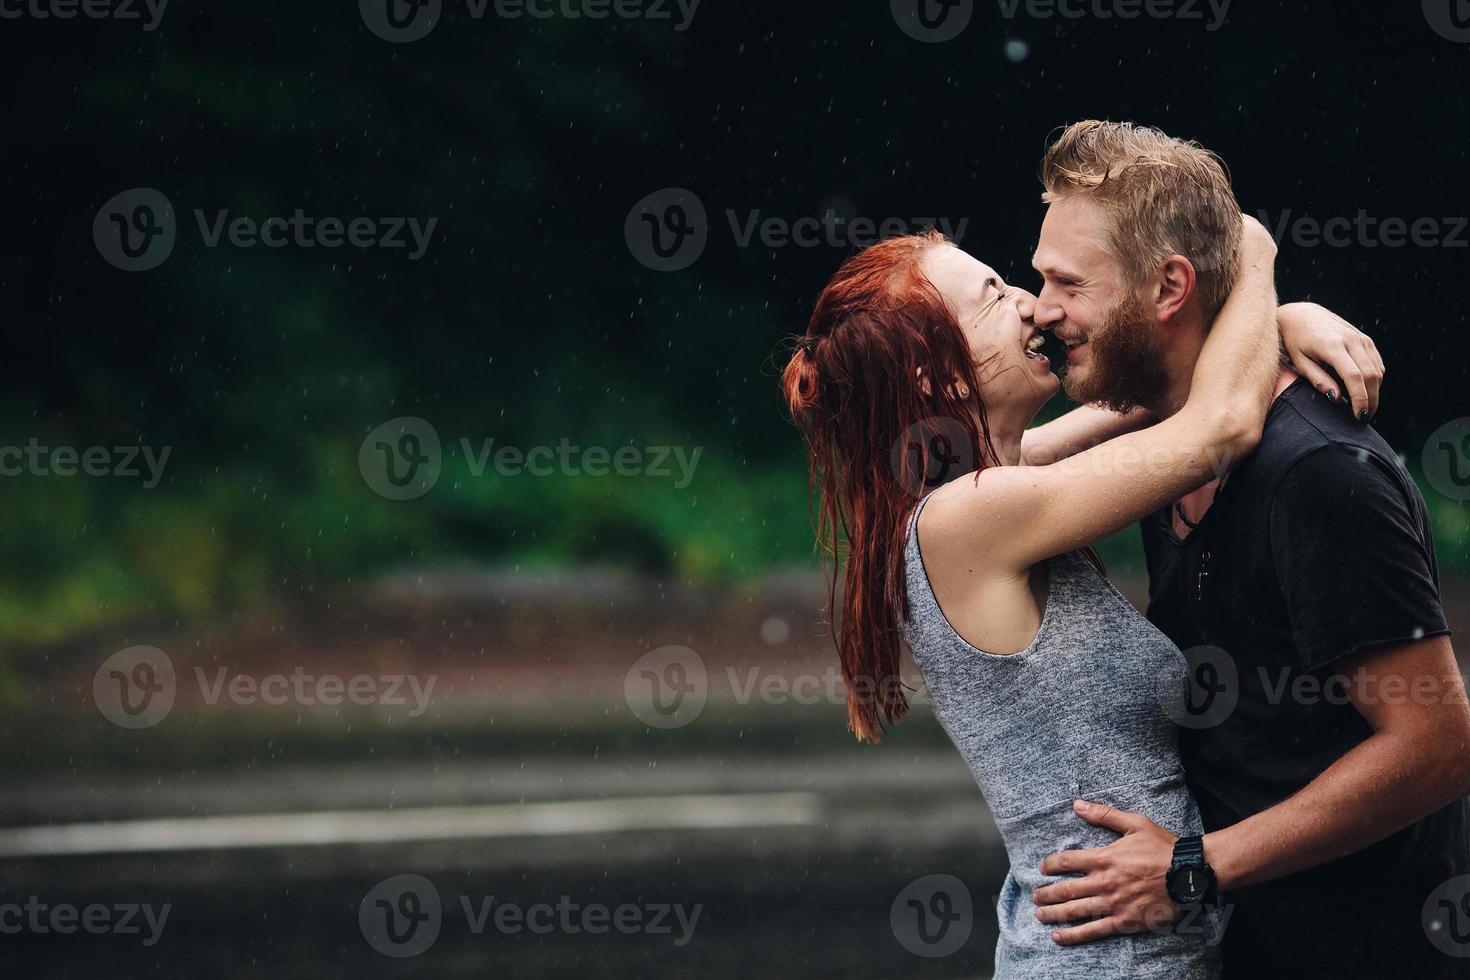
{"type": "Point", "coordinates": [1179, 361]}
{"type": "Point", "coordinates": [1179, 369]}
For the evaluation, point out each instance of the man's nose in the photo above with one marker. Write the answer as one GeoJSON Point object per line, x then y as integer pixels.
{"type": "Point", "coordinates": [1047, 312]}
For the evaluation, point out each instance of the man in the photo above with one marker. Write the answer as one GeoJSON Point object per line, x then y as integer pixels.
{"type": "Point", "coordinates": [1329, 747]}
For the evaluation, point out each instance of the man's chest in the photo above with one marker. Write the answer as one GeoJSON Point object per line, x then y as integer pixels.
{"type": "Point", "coordinates": [1218, 586]}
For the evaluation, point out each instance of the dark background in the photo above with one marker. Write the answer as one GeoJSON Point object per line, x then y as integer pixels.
{"type": "Point", "coordinates": [530, 320]}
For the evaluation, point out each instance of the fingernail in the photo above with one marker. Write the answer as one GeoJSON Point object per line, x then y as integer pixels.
{"type": "Point", "coordinates": [1081, 806]}
{"type": "Point", "coordinates": [1363, 415]}
{"type": "Point", "coordinates": [1331, 395]}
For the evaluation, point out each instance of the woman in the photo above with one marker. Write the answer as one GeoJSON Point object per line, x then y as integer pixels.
{"type": "Point", "coordinates": [920, 364]}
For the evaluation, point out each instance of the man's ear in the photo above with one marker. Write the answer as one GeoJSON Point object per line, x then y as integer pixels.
{"type": "Point", "coordinates": [1175, 288]}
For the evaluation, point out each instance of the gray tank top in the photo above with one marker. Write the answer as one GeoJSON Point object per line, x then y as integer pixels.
{"type": "Point", "coordinates": [1077, 714]}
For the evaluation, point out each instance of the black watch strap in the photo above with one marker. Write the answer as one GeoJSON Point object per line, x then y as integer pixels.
{"type": "Point", "coordinates": [1189, 850]}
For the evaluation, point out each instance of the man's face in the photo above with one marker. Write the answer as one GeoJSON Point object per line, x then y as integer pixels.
{"type": "Point", "coordinates": [1114, 355]}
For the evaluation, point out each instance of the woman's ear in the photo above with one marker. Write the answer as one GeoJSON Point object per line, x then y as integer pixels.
{"type": "Point", "coordinates": [924, 382]}
{"type": "Point", "coordinates": [957, 389]}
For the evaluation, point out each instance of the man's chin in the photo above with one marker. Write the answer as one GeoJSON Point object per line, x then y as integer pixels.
{"type": "Point", "coordinates": [1076, 385]}
{"type": "Point", "coordinates": [1079, 388]}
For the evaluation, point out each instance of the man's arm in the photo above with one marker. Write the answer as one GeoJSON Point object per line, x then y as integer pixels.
{"type": "Point", "coordinates": [1358, 580]}
{"type": "Point", "coordinates": [1416, 761]}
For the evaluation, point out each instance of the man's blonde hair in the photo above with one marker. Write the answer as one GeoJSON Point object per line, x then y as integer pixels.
{"type": "Point", "coordinates": [1164, 197]}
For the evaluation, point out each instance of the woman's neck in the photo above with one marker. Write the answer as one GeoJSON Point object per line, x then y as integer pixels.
{"type": "Point", "coordinates": [1005, 439]}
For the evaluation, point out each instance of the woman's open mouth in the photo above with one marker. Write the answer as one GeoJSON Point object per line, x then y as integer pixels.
{"type": "Point", "coordinates": [1044, 346]}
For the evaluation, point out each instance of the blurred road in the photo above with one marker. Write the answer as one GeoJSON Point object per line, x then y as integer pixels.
{"type": "Point", "coordinates": [801, 879]}
{"type": "Point", "coordinates": [532, 820]}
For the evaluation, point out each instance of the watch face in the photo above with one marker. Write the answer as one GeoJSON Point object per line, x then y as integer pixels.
{"type": "Point", "coordinates": [1189, 883]}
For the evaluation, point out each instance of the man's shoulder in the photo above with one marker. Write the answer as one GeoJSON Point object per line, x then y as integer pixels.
{"type": "Point", "coordinates": [1309, 437]}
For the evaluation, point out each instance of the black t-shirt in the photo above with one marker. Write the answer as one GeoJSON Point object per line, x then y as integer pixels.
{"type": "Point", "coordinates": [1317, 547]}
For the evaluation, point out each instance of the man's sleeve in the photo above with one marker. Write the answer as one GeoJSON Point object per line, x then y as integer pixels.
{"type": "Point", "coordinates": [1351, 556]}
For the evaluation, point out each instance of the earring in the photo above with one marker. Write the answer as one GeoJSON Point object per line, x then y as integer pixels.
{"type": "Point", "coordinates": [964, 392]}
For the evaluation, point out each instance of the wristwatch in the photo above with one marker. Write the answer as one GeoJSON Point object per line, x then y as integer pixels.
{"type": "Point", "coordinates": [1190, 880]}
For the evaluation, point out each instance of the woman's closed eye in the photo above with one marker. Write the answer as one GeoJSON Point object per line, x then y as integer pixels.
{"type": "Point", "coordinates": [999, 291]}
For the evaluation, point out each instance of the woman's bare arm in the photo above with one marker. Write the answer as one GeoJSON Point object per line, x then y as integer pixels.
{"type": "Point", "coordinates": [1336, 357]}
{"type": "Point", "coordinates": [1081, 428]}
{"type": "Point", "coordinates": [1020, 515]}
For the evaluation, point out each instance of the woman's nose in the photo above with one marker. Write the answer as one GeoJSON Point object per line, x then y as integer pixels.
{"type": "Point", "coordinates": [1025, 303]}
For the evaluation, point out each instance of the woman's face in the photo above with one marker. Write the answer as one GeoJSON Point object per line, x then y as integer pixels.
{"type": "Point", "coordinates": [996, 321]}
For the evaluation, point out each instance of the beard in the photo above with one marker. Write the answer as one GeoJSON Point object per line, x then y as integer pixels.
{"type": "Point", "coordinates": [1127, 362]}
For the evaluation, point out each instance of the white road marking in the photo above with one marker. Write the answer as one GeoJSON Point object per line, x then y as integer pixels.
{"type": "Point", "coordinates": [540, 819]}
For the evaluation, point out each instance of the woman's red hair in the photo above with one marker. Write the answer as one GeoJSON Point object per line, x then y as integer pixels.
{"type": "Point", "coordinates": [876, 432]}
